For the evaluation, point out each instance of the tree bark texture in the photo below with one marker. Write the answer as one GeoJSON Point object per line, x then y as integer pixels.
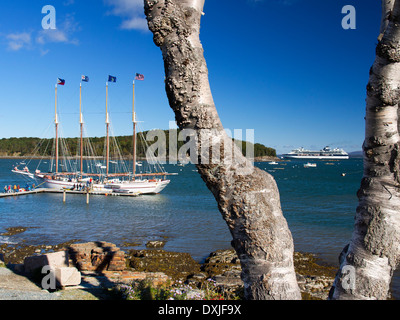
{"type": "Point", "coordinates": [373, 253]}
{"type": "Point", "coordinates": [247, 197]}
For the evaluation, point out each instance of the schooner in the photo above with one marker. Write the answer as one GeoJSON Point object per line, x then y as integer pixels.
{"type": "Point", "coordinates": [98, 180]}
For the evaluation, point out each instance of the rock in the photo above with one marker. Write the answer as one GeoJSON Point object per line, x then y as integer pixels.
{"type": "Point", "coordinates": [54, 260]}
{"type": "Point", "coordinates": [67, 276]}
{"type": "Point", "coordinates": [155, 244]}
{"type": "Point", "coordinates": [315, 280]}
{"type": "Point", "coordinates": [13, 231]}
{"type": "Point", "coordinates": [1, 258]}
{"type": "Point", "coordinates": [97, 256]}
{"type": "Point", "coordinates": [177, 265]}
{"type": "Point", "coordinates": [223, 266]}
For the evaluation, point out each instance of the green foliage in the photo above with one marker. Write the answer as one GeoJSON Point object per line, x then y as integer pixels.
{"type": "Point", "coordinates": [43, 147]}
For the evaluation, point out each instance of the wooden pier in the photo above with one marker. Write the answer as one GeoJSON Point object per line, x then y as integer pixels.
{"type": "Point", "coordinates": [22, 193]}
{"type": "Point", "coordinates": [65, 191]}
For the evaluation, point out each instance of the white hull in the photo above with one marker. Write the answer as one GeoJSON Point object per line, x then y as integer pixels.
{"type": "Point", "coordinates": [138, 186]}
{"type": "Point", "coordinates": [310, 165]}
{"type": "Point", "coordinates": [289, 156]}
{"type": "Point", "coordinates": [135, 187]}
{"type": "Point", "coordinates": [325, 154]}
{"type": "Point", "coordinates": [25, 173]}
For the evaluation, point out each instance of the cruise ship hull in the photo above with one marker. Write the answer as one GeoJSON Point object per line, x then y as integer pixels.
{"type": "Point", "coordinates": [289, 156]}
{"type": "Point", "coordinates": [325, 154]}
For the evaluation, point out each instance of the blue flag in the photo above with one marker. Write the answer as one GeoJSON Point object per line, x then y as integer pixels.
{"type": "Point", "coordinates": [85, 78]}
{"type": "Point", "coordinates": [112, 79]}
{"type": "Point", "coordinates": [60, 81]}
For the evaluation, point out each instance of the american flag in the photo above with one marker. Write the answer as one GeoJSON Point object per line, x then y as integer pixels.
{"type": "Point", "coordinates": [139, 76]}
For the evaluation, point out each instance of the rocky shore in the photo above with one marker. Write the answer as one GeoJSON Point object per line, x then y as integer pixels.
{"type": "Point", "coordinates": [103, 265]}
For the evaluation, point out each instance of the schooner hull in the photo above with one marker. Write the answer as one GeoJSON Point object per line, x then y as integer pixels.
{"type": "Point", "coordinates": [139, 186]}
{"type": "Point", "coordinates": [134, 187]}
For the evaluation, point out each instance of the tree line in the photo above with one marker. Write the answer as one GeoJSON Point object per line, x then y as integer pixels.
{"type": "Point", "coordinates": [26, 147]}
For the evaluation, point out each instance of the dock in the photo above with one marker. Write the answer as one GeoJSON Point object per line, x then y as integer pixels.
{"type": "Point", "coordinates": [22, 193]}
{"type": "Point", "coordinates": [65, 191]}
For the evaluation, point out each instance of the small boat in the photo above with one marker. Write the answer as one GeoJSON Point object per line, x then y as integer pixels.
{"type": "Point", "coordinates": [273, 162]}
{"type": "Point", "coordinates": [310, 165]}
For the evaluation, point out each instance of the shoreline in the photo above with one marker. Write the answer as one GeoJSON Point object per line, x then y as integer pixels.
{"type": "Point", "coordinates": [314, 276]}
{"type": "Point", "coordinates": [256, 159]}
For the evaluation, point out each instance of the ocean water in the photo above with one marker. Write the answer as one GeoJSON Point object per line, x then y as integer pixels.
{"type": "Point", "coordinates": [318, 203]}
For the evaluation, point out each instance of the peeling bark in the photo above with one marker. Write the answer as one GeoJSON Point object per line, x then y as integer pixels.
{"type": "Point", "coordinates": [373, 252]}
{"type": "Point", "coordinates": [247, 197]}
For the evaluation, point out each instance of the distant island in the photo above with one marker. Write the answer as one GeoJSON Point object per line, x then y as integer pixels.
{"type": "Point", "coordinates": [37, 147]}
{"type": "Point", "coordinates": [356, 154]}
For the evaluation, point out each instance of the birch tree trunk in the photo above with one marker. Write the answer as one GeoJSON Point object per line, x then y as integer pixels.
{"type": "Point", "coordinates": [247, 197]}
{"type": "Point", "coordinates": [368, 262]}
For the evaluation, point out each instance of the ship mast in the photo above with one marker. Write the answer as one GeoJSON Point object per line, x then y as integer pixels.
{"type": "Point", "coordinates": [134, 132]}
{"type": "Point", "coordinates": [81, 125]}
{"type": "Point", "coordinates": [107, 132]}
{"type": "Point", "coordinates": [56, 128]}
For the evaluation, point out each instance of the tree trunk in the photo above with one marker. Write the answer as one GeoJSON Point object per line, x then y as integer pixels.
{"type": "Point", "coordinates": [368, 262]}
{"type": "Point", "coordinates": [247, 197]}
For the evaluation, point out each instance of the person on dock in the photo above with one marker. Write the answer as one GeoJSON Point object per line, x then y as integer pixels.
{"type": "Point", "coordinates": [5, 189]}
{"type": "Point", "coordinates": [15, 188]}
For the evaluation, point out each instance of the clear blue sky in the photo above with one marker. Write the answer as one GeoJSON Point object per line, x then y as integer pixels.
{"type": "Point", "coordinates": [285, 68]}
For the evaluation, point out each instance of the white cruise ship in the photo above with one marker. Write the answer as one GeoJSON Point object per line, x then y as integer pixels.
{"type": "Point", "coordinates": [326, 153]}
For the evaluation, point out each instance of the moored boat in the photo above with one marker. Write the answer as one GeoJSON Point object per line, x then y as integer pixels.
{"type": "Point", "coordinates": [310, 165]}
{"type": "Point", "coordinates": [100, 179]}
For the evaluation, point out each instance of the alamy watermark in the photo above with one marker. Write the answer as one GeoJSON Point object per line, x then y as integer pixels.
{"type": "Point", "coordinates": [49, 20]}
{"type": "Point", "coordinates": [348, 278]}
{"type": "Point", "coordinates": [49, 278]}
{"type": "Point", "coordinates": [201, 146]}
{"type": "Point", "coordinates": [349, 20]}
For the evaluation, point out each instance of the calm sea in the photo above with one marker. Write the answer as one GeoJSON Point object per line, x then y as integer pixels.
{"type": "Point", "coordinates": [318, 203]}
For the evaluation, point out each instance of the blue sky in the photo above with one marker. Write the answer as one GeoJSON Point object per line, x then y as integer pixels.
{"type": "Point", "coordinates": [285, 68]}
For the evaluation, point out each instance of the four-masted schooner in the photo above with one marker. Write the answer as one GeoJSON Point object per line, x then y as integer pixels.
{"type": "Point", "coordinates": [99, 181]}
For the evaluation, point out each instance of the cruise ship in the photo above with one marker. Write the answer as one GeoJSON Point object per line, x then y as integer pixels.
{"type": "Point", "coordinates": [325, 154]}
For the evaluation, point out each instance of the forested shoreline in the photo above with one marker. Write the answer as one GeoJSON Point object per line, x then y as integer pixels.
{"type": "Point", "coordinates": [36, 147]}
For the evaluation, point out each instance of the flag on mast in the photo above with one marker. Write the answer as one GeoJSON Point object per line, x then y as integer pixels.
{"type": "Point", "coordinates": [112, 79]}
{"type": "Point", "coordinates": [60, 81]}
{"type": "Point", "coordinates": [139, 76]}
{"type": "Point", "coordinates": [85, 78]}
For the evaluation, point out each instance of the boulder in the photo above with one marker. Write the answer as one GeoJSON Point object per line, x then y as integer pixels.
{"type": "Point", "coordinates": [54, 260]}
{"type": "Point", "coordinates": [67, 276]}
